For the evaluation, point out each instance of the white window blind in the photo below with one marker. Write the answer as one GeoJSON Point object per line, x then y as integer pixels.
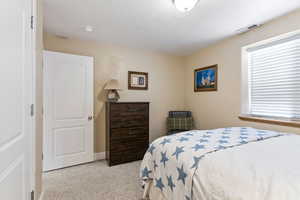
{"type": "Point", "coordinates": [274, 78]}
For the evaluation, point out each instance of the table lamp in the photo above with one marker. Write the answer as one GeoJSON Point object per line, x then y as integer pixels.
{"type": "Point", "coordinates": [112, 87]}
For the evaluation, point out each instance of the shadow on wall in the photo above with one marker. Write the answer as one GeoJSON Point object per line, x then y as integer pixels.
{"type": "Point", "coordinates": [114, 67]}
{"type": "Point", "coordinates": [100, 99]}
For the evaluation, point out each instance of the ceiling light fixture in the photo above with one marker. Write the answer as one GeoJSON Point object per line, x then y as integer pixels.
{"type": "Point", "coordinates": [89, 28]}
{"type": "Point", "coordinates": [185, 5]}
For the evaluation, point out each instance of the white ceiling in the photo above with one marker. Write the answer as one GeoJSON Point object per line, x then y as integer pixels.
{"type": "Point", "coordinates": [156, 24]}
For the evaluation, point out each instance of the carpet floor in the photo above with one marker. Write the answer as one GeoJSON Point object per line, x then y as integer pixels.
{"type": "Point", "coordinates": [94, 181]}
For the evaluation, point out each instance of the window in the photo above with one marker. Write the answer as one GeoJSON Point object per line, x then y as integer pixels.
{"type": "Point", "coordinates": [271, 78]}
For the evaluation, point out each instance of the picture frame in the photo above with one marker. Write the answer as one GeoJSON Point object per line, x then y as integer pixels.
{"type": "Point", "coordinates": [206, 79]}
{"type": "Point", "coordinates": [137, 80]}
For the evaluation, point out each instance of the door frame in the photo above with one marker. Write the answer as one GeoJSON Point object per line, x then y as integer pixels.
{"type": "Point", "coordinates": [32, 135]}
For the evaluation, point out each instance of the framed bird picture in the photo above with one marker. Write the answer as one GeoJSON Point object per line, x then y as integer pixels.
{"type": "Point", "coordinates": [137, 80]}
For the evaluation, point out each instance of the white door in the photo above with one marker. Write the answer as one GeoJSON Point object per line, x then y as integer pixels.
{"type": "Point", "coordinates": [15, 100]}
{"type": "Point", "coordinates": [68, 110]}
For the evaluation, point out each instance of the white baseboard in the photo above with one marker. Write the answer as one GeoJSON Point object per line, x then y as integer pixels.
{"type": "Point", "coordinates": [42, 196]}
{"type": "Point", "coordinates": [99, 156]}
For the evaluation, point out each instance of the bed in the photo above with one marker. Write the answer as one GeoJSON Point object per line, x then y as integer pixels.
{"type": "Point", "coordinates": [237, 163]}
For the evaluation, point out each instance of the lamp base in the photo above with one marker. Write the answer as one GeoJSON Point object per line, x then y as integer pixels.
{"type": "Point", "coordinates": [113, 96]}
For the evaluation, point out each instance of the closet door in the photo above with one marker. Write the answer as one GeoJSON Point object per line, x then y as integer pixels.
{"type": "Point", "coordinates": [16, 94]}
{"type": "Point", "coordinates": [68, 110]}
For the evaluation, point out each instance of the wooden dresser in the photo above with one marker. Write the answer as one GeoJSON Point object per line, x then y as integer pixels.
{"type": "Point", "coordinates": [127, 131]}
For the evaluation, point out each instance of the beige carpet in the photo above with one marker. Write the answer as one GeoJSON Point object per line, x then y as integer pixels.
{"type": "Point", "coordinates": [94, 181]}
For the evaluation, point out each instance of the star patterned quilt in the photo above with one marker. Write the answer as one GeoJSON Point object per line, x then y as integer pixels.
{"type": "Point", "coordinates": [171, 161]}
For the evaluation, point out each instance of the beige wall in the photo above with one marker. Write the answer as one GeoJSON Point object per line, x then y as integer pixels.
{"type": "Point", "coordinates": [166, 79]}
{"type": "Point", "coordinates": [39, 101]}
{"type": "Point", "coordinates": [222, 108]}
{"type": "Point", "coordinates": [170, 83]}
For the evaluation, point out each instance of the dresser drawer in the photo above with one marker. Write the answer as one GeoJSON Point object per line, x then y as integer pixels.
{"type": "Point", "coordinates": [127, 156]}
{"type": "Point", "coordinates": [132, 142]}
{"type": "Point", "coordinates": [124, 133]}
{"type": "Point", "coordinates": [130, 121]}
{"type": "Point", "coordinates": [126, 109]}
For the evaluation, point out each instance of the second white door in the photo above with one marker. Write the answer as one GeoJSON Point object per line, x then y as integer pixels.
{"type": "Point", "coordinates": [68, 110]}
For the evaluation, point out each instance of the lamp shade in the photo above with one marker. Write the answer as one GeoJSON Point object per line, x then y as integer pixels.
{"type": "Point", "coordinates": [113, 84]}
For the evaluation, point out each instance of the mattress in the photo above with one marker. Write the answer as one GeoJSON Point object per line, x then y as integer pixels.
{"type": "Point", "coordinates": [267, 169]}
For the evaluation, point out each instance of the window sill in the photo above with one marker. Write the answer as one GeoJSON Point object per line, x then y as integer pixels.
{"type": "Point", "coordinates": [270, 120]}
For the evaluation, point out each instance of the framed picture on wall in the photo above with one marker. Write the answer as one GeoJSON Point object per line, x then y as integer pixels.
{"type": "Point", "coordinates": [137, 80]}
{"type": "Point", "coordinates": [206, 79]}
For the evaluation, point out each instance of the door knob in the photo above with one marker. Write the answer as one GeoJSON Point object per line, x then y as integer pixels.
{"type": "Point", "coordinates": [90, 118]}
